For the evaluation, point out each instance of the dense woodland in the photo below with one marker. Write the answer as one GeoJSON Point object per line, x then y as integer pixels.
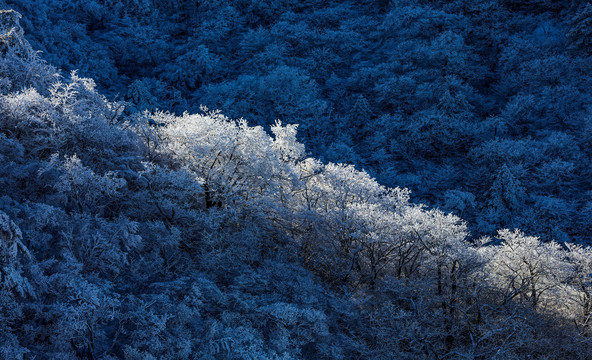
{"type": "Point", "coordinates": [295, 179]}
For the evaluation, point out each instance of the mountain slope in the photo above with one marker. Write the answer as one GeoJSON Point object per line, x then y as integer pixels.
{"type": "Point", "coordinates": [158, 236]}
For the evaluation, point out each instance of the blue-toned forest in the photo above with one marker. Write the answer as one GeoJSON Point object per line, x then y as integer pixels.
{"type": "Point", "coordinates": [295, 179]}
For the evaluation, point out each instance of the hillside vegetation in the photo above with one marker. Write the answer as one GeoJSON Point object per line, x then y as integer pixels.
{"type": "Point", "coordinates": [481, 108]}
{"type": "Point", "coordinates": [152, 235]}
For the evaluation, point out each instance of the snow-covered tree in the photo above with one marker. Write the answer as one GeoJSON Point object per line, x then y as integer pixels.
{"type": "Point", "coordinates": [527, 270]}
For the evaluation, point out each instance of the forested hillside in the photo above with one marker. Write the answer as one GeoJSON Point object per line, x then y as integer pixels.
{"type": "Point", "coordinates": [136, 223]}
{"type": "Point", "coordinates": [481, 108]}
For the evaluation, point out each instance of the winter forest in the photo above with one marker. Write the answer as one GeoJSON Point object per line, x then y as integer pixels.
{"type": "Point", "coordinates": [275, 179]}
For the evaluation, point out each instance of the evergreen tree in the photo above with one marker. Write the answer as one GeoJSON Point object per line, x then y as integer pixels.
{"type": "Point", "coordinates": [506, 197]}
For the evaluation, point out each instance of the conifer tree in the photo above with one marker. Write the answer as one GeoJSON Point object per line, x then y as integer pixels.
{"type": "Point", "coordinates": [506, 196]}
